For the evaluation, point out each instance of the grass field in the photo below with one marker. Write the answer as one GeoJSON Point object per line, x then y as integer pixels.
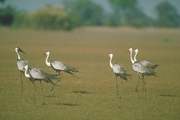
{"type": "Point", "coordinates": [93, 96]}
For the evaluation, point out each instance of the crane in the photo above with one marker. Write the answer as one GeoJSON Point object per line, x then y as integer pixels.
{"type": "Point", "coordinates": [59, 66]}
{"type": "Point", "coordinates": [141, 70]}
{"type": "Point", "coordinates": [37, 74]}
{"type": "Point", "coordinates": [20, 64]}
{"type": "Point", "coordinates": [120, 71]}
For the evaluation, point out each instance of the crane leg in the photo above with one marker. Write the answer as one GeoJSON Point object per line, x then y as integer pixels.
{"type": "Point", "coordinates": [144, 84]}
{"type": "Point", "coordinates": [58, 81]}
{"type": "Point", "coordinates": [25, 87]}
{"type": "Point", "coordinates": [42, 93]}
{"type": "Point", "coordinates": [21, 83]}
{"type": "Point", "coordinates": [52, 88]}
{"type": "Point", "coordinates": [33, 82]}
{"type": "Point", "coordinates": [59, 73]}
{"type": "Point", "coordinates": [121, 89]}
{"type": "Point", "coordinates": [136, 90]}
{"type": "Point", "coordinates": [117, 86]}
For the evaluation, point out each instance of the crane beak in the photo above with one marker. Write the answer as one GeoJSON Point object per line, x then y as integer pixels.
{"type": "Point", "coordinates": [126, 51]}
{"type": "Point", "coordinates": [22, 51]}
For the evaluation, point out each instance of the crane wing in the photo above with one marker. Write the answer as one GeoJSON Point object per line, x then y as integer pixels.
{"type": "Point", "coordinates": [37, 73]}
{"type": "Point", "coordinates": [58, 65]}
{"type": "Point", "coordinates": [148, 64]}
{"type": "Point", "coordinates": [118, 68]}
{"type": "Point", "coordinates": [139, 68]}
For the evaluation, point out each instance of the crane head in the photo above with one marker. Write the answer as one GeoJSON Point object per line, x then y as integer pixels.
{"type": "Point", "coordinates": [136, 50]}
{"type": "Point", "coordinates": [129, 50]}
{"type": "Point", "coordinates": [111, 55]}
{"type": "Point", "coordinates": [17, 49]}
{"type": "Point", "coordinates": [47, 53]}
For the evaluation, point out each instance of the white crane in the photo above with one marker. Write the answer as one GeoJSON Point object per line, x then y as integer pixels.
{"type": "Point", "coordinates": [35, 74]}
{"type": "Point", "coordinates": [59, 66]}
{"type": "Point", "coordinates": [141, 70]}
{"type": "Point", "coordinates": [145, 62]}
{"type": "Point", "coordinates": [120, 71]}
{"type": "Point", "coordinates": [20, 64]}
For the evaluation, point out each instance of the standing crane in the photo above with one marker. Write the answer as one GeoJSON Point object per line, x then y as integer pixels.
{"type": "Point", "coordinates": [141, 70]}
{"type": "Point", "coordinates": [20, 64]}
{"type": "Point", "coordinates": [120, 71]}
{"type": "Point", "coordinates": [59, 66]}
{"type": "Point", "coordinates": [35, 74]}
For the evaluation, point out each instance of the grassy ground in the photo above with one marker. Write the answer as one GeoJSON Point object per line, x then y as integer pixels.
{"type": "Point", "coordinates": [93, 96]}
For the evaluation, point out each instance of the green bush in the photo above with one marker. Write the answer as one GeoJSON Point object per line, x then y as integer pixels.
{"type": "Point", "coordinates": [46, 18]}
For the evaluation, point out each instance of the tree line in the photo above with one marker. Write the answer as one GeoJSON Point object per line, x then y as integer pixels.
{"type": "Point", "coordinates": [77, 13]}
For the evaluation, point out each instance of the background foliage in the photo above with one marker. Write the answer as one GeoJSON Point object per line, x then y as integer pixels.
{"type": "Point", "coordinates": [46, 18]}
{"type": "Point", "coordinates": [87, 13]}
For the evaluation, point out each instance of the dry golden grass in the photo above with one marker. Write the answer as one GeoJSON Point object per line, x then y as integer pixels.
{"type": "Point", "coordinates": [93, 96]}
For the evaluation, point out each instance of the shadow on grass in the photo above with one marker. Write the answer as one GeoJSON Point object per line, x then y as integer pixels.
{"type": "Point", "coordinates": [67, 104]}
{"type": "Point", "coordinates": [81, 92]}
{"type": "Point", "coordinates": [51, 96]}
{"type": "Point", "coordinates": [168, 95]}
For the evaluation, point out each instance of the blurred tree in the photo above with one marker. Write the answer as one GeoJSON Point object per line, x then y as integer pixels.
{"type": "Point", "coordinates": [129, 13]}
{"type": "Point", "coordinates": [2, 1]}
{"type": "Point", "coordinates": [167, 15]}
{"type": "Point", "coordinates": [7, 15]}
{"type": "Point", "coordinates": [123, 8]}
{"type": "Point", "coordinates": [88, 12]}
{"type": "Point", "coordinates": [123, 4]}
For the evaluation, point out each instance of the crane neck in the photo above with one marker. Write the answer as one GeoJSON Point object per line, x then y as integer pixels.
{"type": "Point", "coordinates": [110, 62]}
{"type": "Point", "coordinates": [46, 61]}
{"type": "Point", "coordinates": [26, 73]}
{"type": "Point", "coordinates": [18, 55]}
{"type": "Point", "coordinates": [135, 56]}
{"type": "Point", "coordinates": [132, 61]}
